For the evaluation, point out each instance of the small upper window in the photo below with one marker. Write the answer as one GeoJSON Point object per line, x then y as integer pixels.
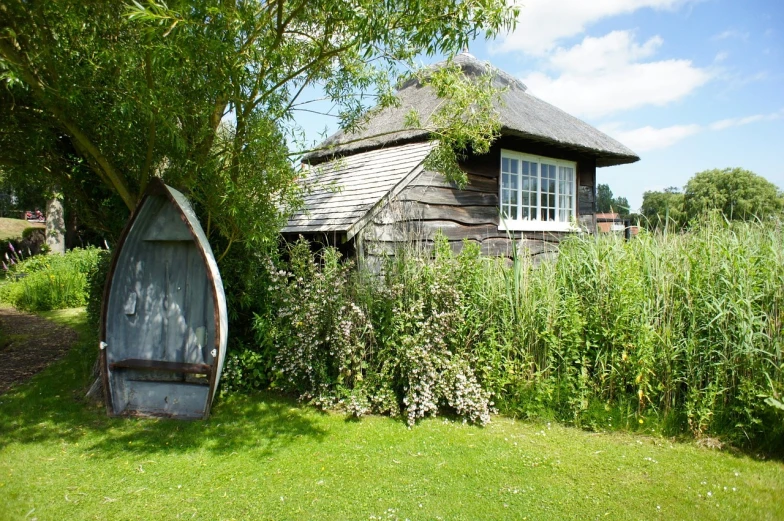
{"type": "Point", "coordinates": [537, 193]}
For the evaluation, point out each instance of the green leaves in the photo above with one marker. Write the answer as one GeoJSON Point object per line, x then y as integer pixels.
{"type": "Point", "coordinates": [737, 193]}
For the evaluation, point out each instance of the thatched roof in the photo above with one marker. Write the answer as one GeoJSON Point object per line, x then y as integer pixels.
{"type": "Point", "coordinates": [343, 192]}
{"type": "Point", "coordinates": [521, 114]}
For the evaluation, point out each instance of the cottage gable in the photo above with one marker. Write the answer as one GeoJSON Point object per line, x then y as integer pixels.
{"type": "Point", "coordinates": [342, 192]}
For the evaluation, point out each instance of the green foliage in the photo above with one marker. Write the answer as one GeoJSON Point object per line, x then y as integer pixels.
{"type": "Point", "coordinates": [663, 210]}
{"type": "Point", "coordinates": [606, 203]}
{"type": "Point", "coordinates": [96, 281]}
{"type": "Point", "coordinates": [680, 332]}
{"type": "Point", "coordinates": [46, 282]}
{"type": "Point", "coordinates": [737, 193]}
{"type": "Point", "coordinates": [243, 371]}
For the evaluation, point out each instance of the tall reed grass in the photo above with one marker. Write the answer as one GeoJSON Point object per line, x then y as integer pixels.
{"type": "Point", "coordinates": [685, 328]}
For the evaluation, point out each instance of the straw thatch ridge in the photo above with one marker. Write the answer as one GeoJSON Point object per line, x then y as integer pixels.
{"type": "Point", "coordinates": [520, 113]}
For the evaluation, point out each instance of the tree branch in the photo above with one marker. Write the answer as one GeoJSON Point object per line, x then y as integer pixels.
{"type": "Point", "coordinates": [80, 139]}
{"type": "Point", "coordinates": [145, 173]}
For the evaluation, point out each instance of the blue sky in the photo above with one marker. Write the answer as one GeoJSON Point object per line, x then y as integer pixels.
{"type": "Point", "coordinates": [687, 84]}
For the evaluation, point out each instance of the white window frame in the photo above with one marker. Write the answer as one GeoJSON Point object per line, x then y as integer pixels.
{"type": "Point", "coordinates": [536, 224]}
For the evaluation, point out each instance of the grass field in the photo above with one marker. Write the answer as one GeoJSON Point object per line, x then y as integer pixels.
{"type": "Point", "coordinates": [266, 457]}
{"type": "Point", "coordinates": [13, 228]}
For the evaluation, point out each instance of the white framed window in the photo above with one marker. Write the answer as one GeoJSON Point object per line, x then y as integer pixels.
{"type": "Point", "coordinates": [537, 193]}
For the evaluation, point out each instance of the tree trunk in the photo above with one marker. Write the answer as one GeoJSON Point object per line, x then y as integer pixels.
{"type": "Point", "coordinates": [55, 226]}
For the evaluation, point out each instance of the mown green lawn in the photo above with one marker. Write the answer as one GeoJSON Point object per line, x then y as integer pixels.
{"type": "Point", "coordinates": [13, 228]}
{"type": "Point", "coordinates": [266, 457]}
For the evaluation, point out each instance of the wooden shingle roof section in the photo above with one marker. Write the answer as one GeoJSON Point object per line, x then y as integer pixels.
{"type": "Point", "coordinates": [343, 191]}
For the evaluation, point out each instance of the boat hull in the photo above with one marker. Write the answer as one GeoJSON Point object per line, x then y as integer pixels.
{"type": "Point", "coordinates": [164, 321]}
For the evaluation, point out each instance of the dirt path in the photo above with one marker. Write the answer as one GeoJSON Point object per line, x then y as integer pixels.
{"type": "Point", "coordinates": [28, 344]}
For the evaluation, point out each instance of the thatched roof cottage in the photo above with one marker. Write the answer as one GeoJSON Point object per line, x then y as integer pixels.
{"type": "Point", "coordinates": [537, 183]}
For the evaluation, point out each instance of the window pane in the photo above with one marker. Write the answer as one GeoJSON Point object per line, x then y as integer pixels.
{"type": "Point", "coordinates": [532, 190]}
{"type": "Point", "coordinates": [566, 179]}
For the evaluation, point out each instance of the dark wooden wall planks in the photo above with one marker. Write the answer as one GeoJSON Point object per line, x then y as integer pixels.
{"type": "Point", "coordinates": [430, 203]}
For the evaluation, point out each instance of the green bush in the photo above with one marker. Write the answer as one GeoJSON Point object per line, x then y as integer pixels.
{"type": "Point", "coordinates": [95, 274]}
{"type": "Point", "coordinates": [46, 282]}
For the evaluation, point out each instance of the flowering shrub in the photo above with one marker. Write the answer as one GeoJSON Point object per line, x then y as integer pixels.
{"type": "Point", "coordinates": [424, 346]}
{"type": "Point", "coordinates": [322, 337]}
{"type": "Point", "coordinates": [330, 353]}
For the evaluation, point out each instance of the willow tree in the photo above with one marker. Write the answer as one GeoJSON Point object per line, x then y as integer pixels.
{"type": "Point", "coordinates": [205, 93]}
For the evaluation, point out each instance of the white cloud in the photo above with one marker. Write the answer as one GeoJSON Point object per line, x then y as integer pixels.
{"type": "Point", "coordinates": [609, 52]}
{"type": "Point", "coordinates": [542, 23]}
{"type": "Point", "coordinates": [731, 34]}
{"type": "Point", "coordinates": [720, 57]}
{"type": "Point", "coordinates": [648, 138]}
{"type": "Point", "coordinates": [604, 75]}
{"type": "Point", "coordinates": [738, 122]}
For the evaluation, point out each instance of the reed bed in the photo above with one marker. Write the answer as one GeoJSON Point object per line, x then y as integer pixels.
{"type": "Point", "coordinates": [681, 329]}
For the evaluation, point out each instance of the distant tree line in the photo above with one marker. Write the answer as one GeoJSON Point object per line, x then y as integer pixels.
{"type": "Point", "coordinates": [606, 203]}
{"type": "Point", "coordinates": [738, 194]}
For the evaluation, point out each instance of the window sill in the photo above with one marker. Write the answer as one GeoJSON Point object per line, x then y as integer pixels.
{"type": "Point", "coordinates": [536, 226]}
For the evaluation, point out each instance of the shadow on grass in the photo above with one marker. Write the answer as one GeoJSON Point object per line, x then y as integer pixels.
{"type": "Point", "coordinates": [51, 407]}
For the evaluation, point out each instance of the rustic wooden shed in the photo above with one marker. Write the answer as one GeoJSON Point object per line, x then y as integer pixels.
{"type": "Point", "coordinates": [164, 324]}
{"type": "Point", "coordinates": [370, 191]}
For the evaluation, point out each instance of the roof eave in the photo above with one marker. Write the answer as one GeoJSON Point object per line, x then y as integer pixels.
{"type": "Point", "coordinates": [603, 157]}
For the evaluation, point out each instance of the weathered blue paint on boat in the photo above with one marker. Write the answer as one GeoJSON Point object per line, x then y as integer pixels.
{"type": "Point", "coordinates": [164, 324]}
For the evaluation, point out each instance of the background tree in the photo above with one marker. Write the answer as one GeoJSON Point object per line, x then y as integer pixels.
{"type": "Point", "coordinates": [204, 94]}
{"type": "Point", "coordinates": [663, 209]}
{"type": "Point", "coordinates": [604, 198]}
{"type": "Point", "coordinates": [739, 194]}
{"type": "Point", "coordinates": [606, 203]}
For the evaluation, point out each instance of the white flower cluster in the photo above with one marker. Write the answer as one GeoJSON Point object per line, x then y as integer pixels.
{"type": "Point", "coordinates": [327, 344]}
{"type": "Point", "coordinates": [434, 371]}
